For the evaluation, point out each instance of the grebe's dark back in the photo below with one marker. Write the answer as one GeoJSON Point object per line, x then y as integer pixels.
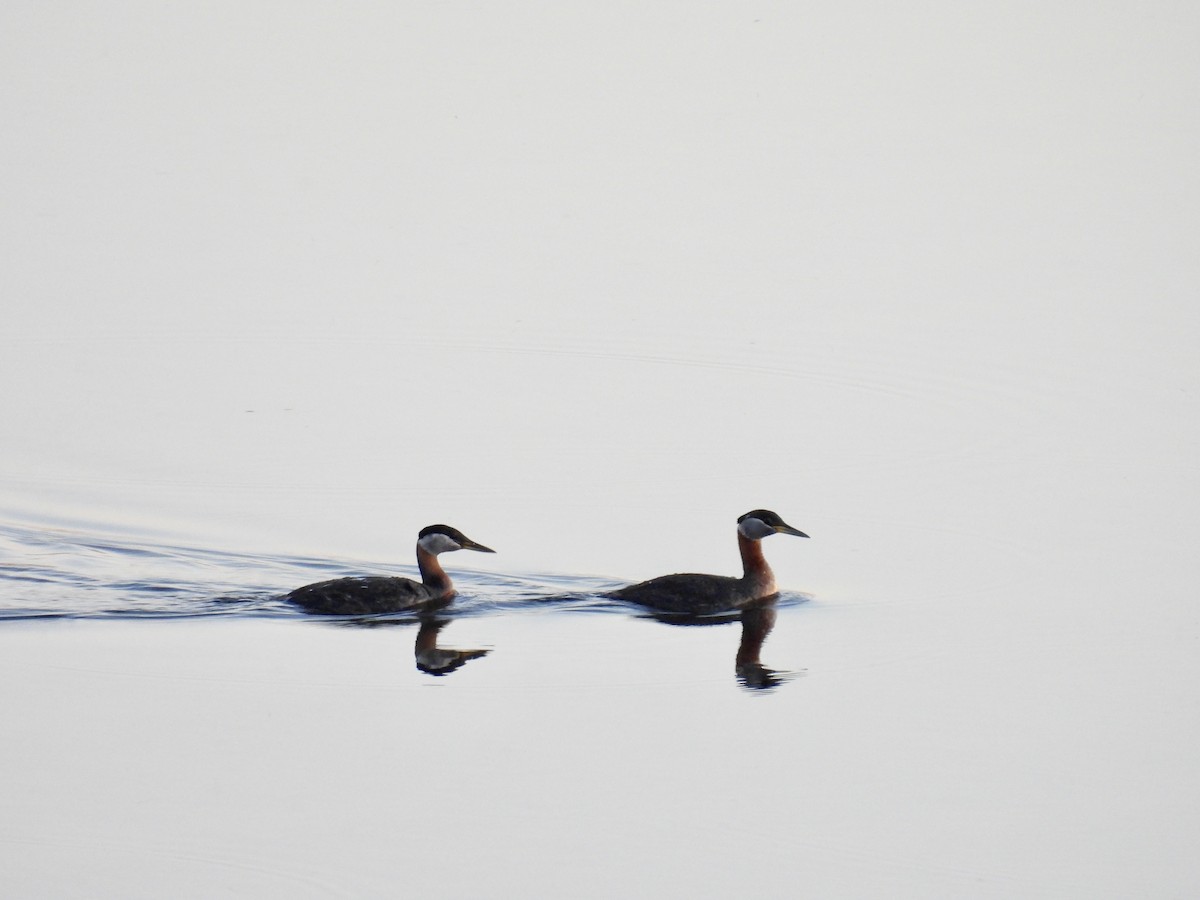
{"type": "Point", "coordinates": [371, 594]}
{"type": "Point", "coordinates": [706, 594]}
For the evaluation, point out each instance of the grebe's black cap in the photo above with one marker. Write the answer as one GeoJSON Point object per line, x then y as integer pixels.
{"type": "Point", "coordinates": [455, 535]}
{"type": "Point", "coordinates": [773, 521]}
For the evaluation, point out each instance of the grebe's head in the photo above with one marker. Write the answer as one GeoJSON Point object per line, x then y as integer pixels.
{"type": "Point", "coordinates": [437, 539]}
{"type": "Point", "coordinates": [759, 523]}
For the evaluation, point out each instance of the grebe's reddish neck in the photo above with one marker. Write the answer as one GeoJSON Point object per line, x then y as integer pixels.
{"type": "Point", "coordinates": [755, 570]}
{"type": "Point", "coordinates": [433, 576]}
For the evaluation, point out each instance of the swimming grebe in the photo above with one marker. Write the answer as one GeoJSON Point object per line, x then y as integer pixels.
{"type": "Point", "coordinates": [705, 594]}
{"type": "Point", "coordinates": [382, 594]}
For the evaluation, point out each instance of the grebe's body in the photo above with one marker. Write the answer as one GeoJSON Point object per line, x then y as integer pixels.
{"type": "Point", "coordinates": [371, 594]}
{"type": "Point", "coordinates": [707, 594]}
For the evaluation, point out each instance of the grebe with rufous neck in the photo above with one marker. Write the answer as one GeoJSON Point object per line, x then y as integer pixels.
{"type": "Point", "coordinates": [370, 594]}
{"type": "Point", "coordinates": [707, 594]}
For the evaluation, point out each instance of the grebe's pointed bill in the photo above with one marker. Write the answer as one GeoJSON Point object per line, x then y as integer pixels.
{"type": "Point", "coordinates": [468, 544]}
{"type": "Point", "coordinates": [784, 528]}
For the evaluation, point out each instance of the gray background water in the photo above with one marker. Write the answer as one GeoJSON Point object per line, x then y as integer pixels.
{"type": "Point", "coordinates": [283, 284]}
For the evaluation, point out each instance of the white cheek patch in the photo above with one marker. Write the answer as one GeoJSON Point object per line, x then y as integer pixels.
{"type": "Point", "coordinates": [754, 529]}
{"type": "Point", "coordinates": [438, 543]}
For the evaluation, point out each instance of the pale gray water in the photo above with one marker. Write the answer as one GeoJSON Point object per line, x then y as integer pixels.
{"type": "Point", "coordinates": [282, 285]}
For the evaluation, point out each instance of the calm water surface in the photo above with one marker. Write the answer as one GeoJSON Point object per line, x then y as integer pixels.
{"type": "Point", "coordinates": [938, 747]}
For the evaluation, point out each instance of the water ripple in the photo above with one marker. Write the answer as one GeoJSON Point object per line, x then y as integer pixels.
{"type": "Point", "coordinates": [53, 573]}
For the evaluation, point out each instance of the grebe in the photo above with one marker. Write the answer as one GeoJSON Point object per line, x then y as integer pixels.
{"type": "Point", "coordinates": [383, 594]}
{"type": "Point", "coordinates": [705, 594]}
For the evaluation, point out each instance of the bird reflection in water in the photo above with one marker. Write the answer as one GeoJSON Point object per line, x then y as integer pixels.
{"type": "Point", "coordinates": [430, 658]}
{"type": "Point", "coordinates": [435, 660]}
{"type": "Point", "coordinates": [757, 621]}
